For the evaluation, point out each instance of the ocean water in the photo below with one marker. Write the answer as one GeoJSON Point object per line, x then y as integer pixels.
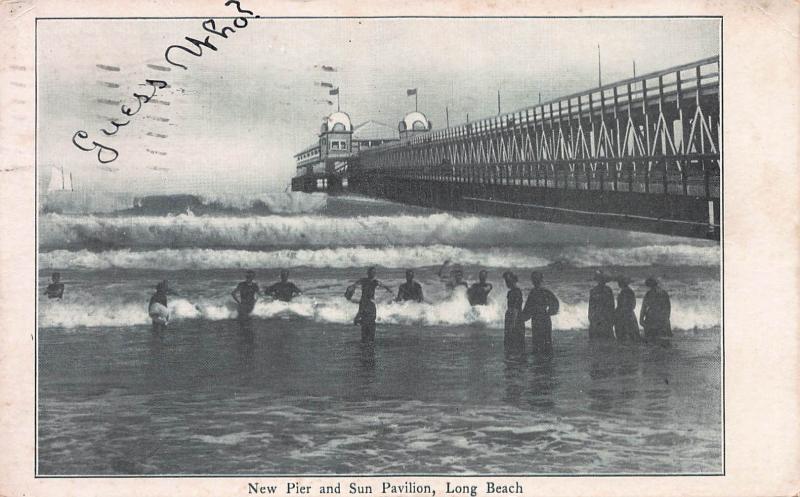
{"type": "Point", "coordinates": [298, 392]}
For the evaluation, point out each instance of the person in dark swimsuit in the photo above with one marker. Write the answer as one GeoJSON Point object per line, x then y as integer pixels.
{"type": "Point", "coordinates": [55, 290]}
{"type": "Point", "coordinates": [625, 325]}
{"type": "Point", "coordinates": [514, 337]}
{"type": "Point", "coordinates": [367, 312]}
{"type": "Point", "coordinates": [160, 297]}
{"type": "Point", "coordinates": [478, 293]}
{"type": "Point", "coordinates": [410, 290]}
{"type": "Point", "coordinates": [601, 309]}
{"type": "Point", "coordinates": [283, 290]}
{"type": "Point", "coordinates": [245, 294]}
{"type": "Point", "coordinates": [540, 306]}
{"type": "Point", "coordinates": [654, 315]}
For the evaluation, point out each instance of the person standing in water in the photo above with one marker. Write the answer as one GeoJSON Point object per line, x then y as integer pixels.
{"type": "Point", "coordinates": [478, 293]}
{"type": "Point", "coordinates": [514, 337]}
{"type": "Point", "coordinates": [654, 315]}
{"type": "Point", "coordinates": [245, 294]}
{"type": "Point", "coordinates": [283, 290]}
{"type": "Point", "coordinates": [625, 325]}
{"type": "Point", "coordinates": [55, 290]}
{"type": "Point", "coordinates": [456, 278]}
{"type": "Point", "coordinates": [601, 309]}
{"type": "Point", "coordinates": [157, 308]}
{"type": "Point", "coordinates": [540, 306]}
{"type": "Point", "coordinates": [410, 290]}
{"type": "Point", "coordinates": [367, 311]}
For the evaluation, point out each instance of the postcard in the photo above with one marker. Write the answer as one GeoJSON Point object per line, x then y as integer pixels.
{"type": "Point", "coordinates": [456, 249]}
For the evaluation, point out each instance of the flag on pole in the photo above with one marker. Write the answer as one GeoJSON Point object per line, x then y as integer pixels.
{"type": "Point", "coordinates": [410, 92]}
{"type": "Point", "coordinates": [335, 91]}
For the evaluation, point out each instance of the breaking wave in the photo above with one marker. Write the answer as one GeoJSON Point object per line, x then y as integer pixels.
{"type": "Point", "coordinates": [416, 256]}
{"type": "Point", "coordinates": [93, 202]}
{"type": "Point", "coordinates": [178, 231]}
{"type": "Point", "coordinates": [392, 256]}
{"type": "Point", "coordinates": [276, 203]}
{"type": "Point", "coordinates": [57, 231]}
{"type": "Point", "coordinates": [453, 311]}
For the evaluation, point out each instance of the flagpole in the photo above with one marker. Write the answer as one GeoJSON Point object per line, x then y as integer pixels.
{"type": "Point", "coordinates": [599, 74]}
{"type": "Point", "coordinates": [337, 100]}
{"type": "Point", "coordinates": [447, 115]}
{"type": "Point", "coordinates": [416, 109]}
{"type": "Point", "coordinates": [498, 102]}
{"type": "Point", "coordinates": [634, 68]}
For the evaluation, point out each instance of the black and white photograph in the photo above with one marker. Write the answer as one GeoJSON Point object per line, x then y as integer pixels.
{"type": "Point", "coordinates": [384, 246]}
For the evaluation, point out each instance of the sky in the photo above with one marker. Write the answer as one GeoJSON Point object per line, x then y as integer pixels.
{"type": "Point", "coordinates": [232, 121]}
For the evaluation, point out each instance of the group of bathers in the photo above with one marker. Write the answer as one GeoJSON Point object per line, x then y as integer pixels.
{"type": "Point", "coordinates": [607, 319]}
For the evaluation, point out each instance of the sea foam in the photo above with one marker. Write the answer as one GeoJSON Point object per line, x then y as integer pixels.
{"type": "Point", "coordinates": [452, 311]}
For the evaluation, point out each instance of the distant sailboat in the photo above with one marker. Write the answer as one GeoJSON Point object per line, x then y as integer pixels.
{"type": "Point", "coordinates": [61, 195]}
{"type": "Point", "coordinates": [59, 181]}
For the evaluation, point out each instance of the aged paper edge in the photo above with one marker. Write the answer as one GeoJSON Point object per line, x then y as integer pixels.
{"type": "Point", "coordinates": [760, 247]}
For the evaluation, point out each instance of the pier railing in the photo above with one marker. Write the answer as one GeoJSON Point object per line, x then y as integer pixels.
{"type": "Point", "coordinates": [657, 133]}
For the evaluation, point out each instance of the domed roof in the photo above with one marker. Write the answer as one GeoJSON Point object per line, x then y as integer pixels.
{"type": "Point", "coordinates": [338, 121]}
{"type": "Point", "coordinates": [415, 121]}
